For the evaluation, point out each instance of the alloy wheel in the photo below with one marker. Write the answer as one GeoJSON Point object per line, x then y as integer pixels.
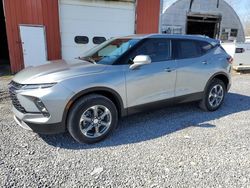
{"type": "Point", "coordinates": [95, 121]}
{"type": "Point", "coordinates": [216, 95]}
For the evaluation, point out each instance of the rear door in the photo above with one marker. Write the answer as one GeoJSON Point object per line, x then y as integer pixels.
{"type": "Point", "coordinates": [155, 81]}
{"type": "Point", "coordinates": [193, 65]}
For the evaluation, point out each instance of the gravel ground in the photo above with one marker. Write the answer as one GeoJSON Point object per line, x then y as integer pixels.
{"type": "Point", "coordinates": [175, 147]}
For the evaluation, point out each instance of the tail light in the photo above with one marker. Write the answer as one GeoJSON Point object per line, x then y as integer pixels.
{"type": "Point", "coordinates": [230, 60]}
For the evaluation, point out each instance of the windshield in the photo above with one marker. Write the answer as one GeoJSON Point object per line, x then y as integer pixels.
{"type": "Point", "coordinates": [108, 52]}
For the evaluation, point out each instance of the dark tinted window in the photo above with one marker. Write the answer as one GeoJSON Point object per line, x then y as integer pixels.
{"type": "Point", "coordinates": [158, 49]}
{"type": "Point", "coordinates": [99, 40]}
{"type": "Point", "coordinates": [234, 32]}
{"type": "Point", "coordinates": [81, 40]}
{"type": "Point", "coordinates": [204, 46]}
{"type": "Point", "coordinates": [183, 49]}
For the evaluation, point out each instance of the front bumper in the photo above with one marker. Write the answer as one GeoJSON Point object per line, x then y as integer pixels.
{"type": "Point", "coordinates": [54, 99]}
{"type": "Point", "coordinates": [41, 128]}
{"type": "Point", "coordinates": [28, 115]}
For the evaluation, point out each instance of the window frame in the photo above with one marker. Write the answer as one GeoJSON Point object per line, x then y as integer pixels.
{"type": "Point", "coordinates": [195, 41]}
{"type": "Point", "coordinates": [124, 60]}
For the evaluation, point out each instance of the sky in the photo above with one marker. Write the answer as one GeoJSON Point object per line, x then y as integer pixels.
{"type": "Point", "coordinates": [242, 8]}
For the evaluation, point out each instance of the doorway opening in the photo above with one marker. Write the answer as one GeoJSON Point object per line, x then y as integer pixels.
{"type": "Point", "coordinates": [201, 24]}
{"type": "Point", "coordinates": [4, 51]}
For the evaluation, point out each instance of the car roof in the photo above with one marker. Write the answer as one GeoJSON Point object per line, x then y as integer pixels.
{"type": "Point", "coordinates": [175, 36]}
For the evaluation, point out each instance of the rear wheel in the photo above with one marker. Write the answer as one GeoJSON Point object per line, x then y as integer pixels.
{"type": "Point", "coordinates": [214, 95]}
{"type": "Point", "coordinates": [92, 119]}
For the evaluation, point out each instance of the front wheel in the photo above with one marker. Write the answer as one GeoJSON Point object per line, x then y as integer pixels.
{"type": "Point", "coordinates": [92, 118]}
{"type": "Point", "coordinates": [214, 95]}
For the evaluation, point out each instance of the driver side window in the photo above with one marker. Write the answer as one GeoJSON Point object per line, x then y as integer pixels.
{"type": "Point", "coordinates": [158, 49]}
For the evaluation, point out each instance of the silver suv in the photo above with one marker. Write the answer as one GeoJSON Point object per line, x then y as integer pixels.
{"type": "Point", "coordinates": [120, 77]}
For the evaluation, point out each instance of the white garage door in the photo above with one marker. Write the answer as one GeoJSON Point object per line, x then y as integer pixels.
{"type": "Point", "coordinates": [93, 19]}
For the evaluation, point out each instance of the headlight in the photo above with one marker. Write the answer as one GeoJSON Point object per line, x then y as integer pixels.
{"type": "Point", "coordinates": [38, 86]}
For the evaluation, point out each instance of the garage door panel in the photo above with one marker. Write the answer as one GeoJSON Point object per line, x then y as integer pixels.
{"type": "Point", "coordinates": [69, 26]}
{"type": "Point", "coordinates": [90, 13]}
{"type": "Point", "coordinates": [68, 38]}
{"type": "Point", "coordinates": [72, 53]}
{"type": "Point", "coordinates": [78, 18]}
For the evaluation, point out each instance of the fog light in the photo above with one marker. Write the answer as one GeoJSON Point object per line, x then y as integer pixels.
{"type": "Point", "coordinates": [39, 104]}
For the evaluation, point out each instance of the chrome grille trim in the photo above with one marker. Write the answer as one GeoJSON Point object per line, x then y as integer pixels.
{"type": "Point", "coordinates": [15, 85]}
{"type": "Point", "coordinates": [13, 88]}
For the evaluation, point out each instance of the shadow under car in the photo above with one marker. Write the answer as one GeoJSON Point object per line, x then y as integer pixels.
{"type": "Point", "coordinates": [158, 123]}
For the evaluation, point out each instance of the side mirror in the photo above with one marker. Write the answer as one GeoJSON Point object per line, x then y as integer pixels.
{"type": "Point", "coordinates": [140, 60]}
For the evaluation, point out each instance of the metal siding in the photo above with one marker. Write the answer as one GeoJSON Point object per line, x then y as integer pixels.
{"type": "Point", "coordinates": [147, 20]}
{"type": "Point", "coordinates": [37, 12]}
{"type": "Point", "coordinates": [176, 14]}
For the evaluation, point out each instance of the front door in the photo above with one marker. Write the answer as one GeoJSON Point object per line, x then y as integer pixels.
{"type": "Point", "coordinates": [155, 81]}
{"type": "Point", "coordinates": [33, 44]}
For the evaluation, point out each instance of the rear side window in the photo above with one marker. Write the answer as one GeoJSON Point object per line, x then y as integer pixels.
{"type": "Point", "coordinates": [158, 49]}
{"type": "Point", "coordinates": [183, 49]}
{"type": "Point", "coordinates": [205, 47]}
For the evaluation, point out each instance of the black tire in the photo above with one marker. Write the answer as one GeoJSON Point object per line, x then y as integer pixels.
{"type": "Point", "coordinates": [205, 104]}
{"type": "Point", "coordinates": [73, 121]}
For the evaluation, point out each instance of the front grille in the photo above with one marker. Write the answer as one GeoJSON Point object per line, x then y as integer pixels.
{"type": "Point", "coordinates": [13, 88]}
{"type": "Point", "coordinates": [15, 85]}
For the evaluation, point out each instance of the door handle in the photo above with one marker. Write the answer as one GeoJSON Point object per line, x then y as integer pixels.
{"type": "Point", "coordinates": [168, 69]}
{"type": "Point", "coordinates": [204, 62]}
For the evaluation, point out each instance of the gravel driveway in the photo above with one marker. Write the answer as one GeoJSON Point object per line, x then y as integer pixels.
{"type": "Point", "coordinates": [175, 147]}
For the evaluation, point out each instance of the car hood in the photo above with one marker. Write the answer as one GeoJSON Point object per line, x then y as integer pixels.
{"type": "Point", "coordinates": [55, 71]}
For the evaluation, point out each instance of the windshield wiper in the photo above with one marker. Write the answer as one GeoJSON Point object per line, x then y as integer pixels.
{"type": "Point", "coordinates": [89, 59]}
